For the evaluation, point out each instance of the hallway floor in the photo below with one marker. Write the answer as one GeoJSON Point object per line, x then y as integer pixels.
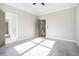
{"type": "Point", "coordinates": [40, 47]}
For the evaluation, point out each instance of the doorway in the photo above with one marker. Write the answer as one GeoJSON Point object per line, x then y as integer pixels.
{"type": "Point", "coordinates": [2, 28]}
{"type": "Point", "coordinates": [11, 28]}
{"type": "Point", "coordinates": [42, 28]}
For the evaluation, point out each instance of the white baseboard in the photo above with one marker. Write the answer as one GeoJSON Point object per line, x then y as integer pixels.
{"type": "Point", "coordinates": [62, 39]}
{"type": "Point", "coordinates": [26, 37]}
{"type": "Point", "coordinates": [21, 39]}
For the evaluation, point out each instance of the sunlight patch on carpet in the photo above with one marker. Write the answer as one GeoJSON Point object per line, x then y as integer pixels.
{"type": "Point", "coordinates": [37, 40]}
{"type": "Point", "coordinates": [48, 43]}
{"type": "Point", "coordinates": [24, 47]}
{"type": "Point", "coordinates": [37, 51]}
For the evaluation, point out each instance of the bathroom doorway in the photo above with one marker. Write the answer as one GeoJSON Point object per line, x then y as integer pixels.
{"type": "Point", "coordinates": [42, 28]}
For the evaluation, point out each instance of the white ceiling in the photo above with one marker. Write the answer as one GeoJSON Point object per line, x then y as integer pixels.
{"type": "Point", "coordinates": [39, 9]}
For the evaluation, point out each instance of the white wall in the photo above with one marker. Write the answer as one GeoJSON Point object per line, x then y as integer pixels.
{"type": "Point", "coordinates": [77, 24]}
{"type": "Point", "coordinates": [25, 21]}
{"type": "Point", "coordinates": [26, 25]}
{"type": "Point", "coordinates": [60, 25]}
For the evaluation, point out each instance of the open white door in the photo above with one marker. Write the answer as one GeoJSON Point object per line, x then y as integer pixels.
{"type": "Point", "coordinates": [12, 27]}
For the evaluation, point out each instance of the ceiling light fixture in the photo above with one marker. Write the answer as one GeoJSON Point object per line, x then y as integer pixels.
{"type": "Point", "coordinates": [41, 3]}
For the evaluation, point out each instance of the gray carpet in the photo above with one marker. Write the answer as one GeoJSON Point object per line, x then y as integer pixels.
{"type": "Point", "coordinates": [63, 48]}
{"type": "Point", "coordinates": [60, 48]}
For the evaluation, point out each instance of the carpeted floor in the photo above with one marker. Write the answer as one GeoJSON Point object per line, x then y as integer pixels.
{"type": "Point", "coordinates": [40, 47]}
